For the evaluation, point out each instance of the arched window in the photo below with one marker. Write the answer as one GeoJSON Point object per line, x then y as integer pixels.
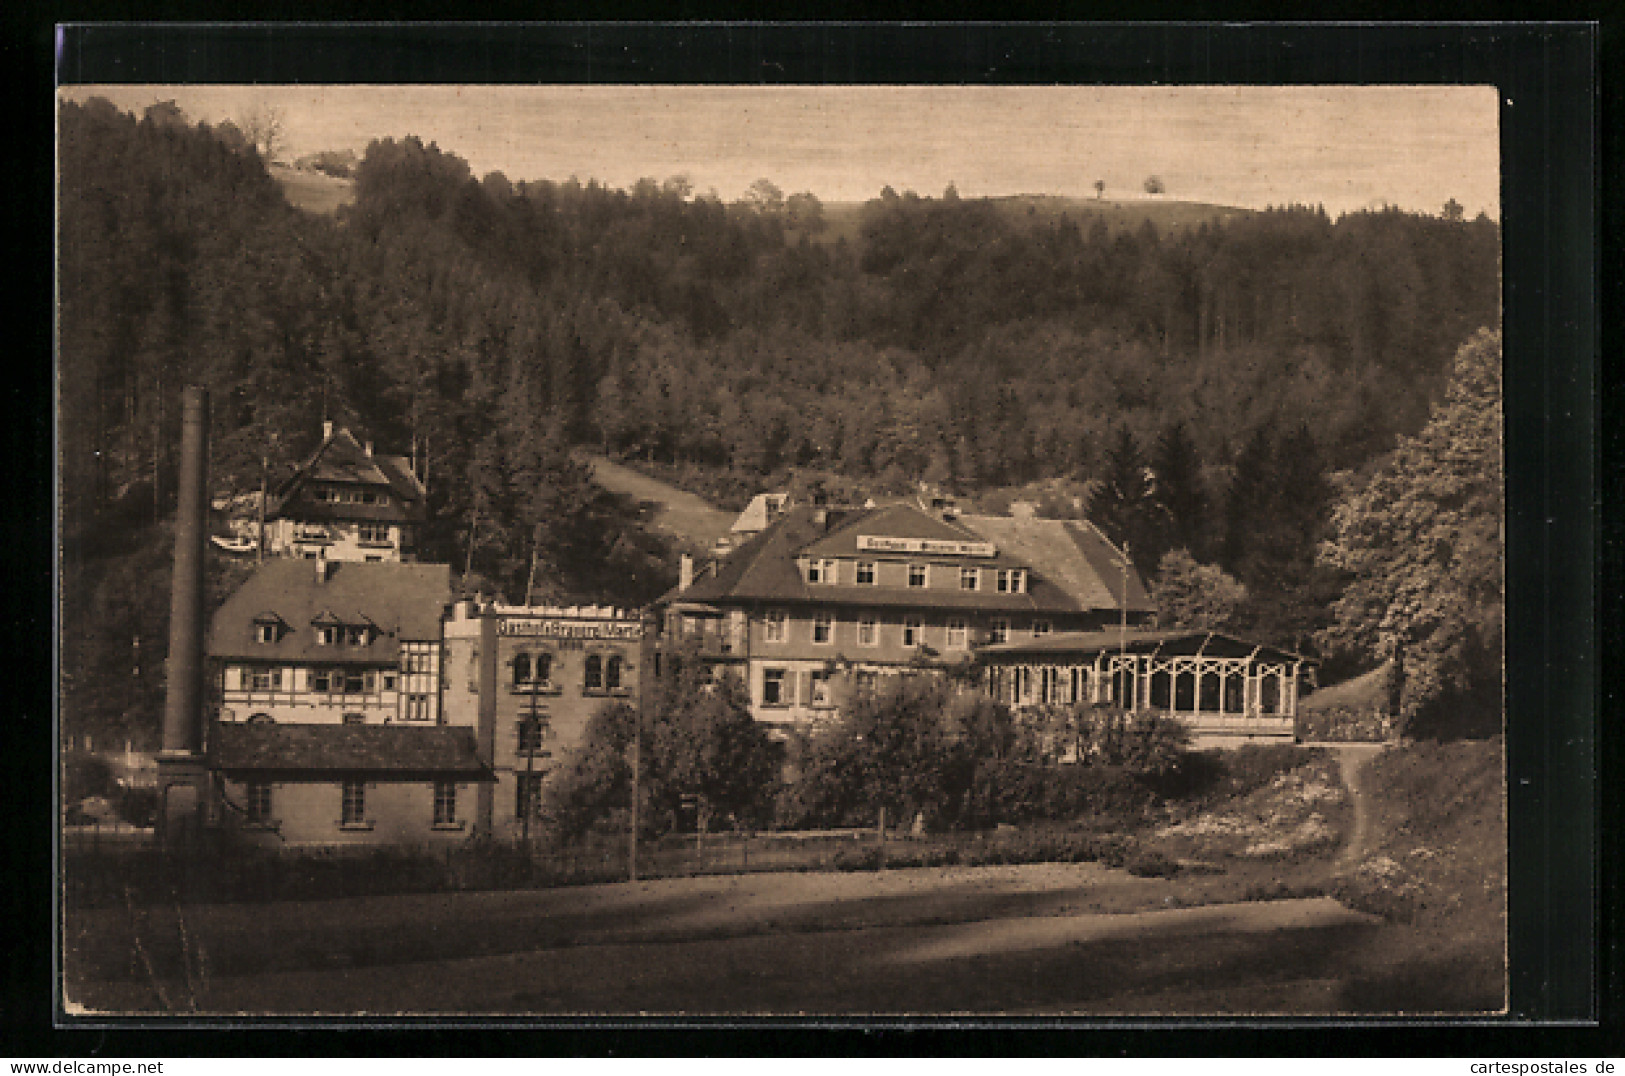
{"type": "Point", "coordinates": [521, 669]}
{"type": "Point", "coordinates": [544, 668]}
{"type": "Point", "coordinates": [595, 673]}
{"type": "Point", "coordinates": [612, 674]}
{"type": "Point", "coordinates": [261, 719]}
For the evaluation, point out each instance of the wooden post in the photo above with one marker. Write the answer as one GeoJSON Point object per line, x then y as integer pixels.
{"type": "Point", "coordinates": [632, 835]}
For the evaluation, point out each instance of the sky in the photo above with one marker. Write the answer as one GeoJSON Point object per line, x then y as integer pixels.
{"type": "Point", "coordinates": [1343, 147]}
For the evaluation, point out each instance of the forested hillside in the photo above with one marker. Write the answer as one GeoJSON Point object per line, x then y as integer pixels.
{"type": "Point", "coordinates": [487, 325]}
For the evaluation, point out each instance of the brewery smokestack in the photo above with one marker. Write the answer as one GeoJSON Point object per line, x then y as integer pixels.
{"type": "Point", "coordinates": [182, 777]}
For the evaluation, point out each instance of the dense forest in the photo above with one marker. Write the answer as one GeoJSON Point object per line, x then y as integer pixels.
{"type": "Point", "coordinates": [1209, 389]}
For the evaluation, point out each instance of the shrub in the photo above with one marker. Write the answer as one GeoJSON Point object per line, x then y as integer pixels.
{"type": "Point", "coordinates": [1344, 724]}
{"type": "Point", "coordinates": [1152, 864]}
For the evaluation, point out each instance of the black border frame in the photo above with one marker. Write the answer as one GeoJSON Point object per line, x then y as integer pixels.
{"type": "Point", "coordinates": [1562, 861]}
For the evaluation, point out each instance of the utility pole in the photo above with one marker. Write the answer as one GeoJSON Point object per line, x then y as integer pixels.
{"type": "Point", "coordinates": [1122, 634]}
{"type": "Point", "coordinates": [259, 536]}
{"type": "Point", "coordinates": [637, 752]}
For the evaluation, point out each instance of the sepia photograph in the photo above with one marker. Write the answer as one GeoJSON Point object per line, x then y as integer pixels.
{"type": "Point", "coordinates": [750, 551]}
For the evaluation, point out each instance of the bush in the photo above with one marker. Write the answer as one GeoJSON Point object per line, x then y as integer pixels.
{"type": "Point", "coordinates": [1152, 864]}
{"type": "Point", "coordinates": [1344, 724]}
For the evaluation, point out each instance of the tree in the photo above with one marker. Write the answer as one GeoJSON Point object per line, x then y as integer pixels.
{"type": "Point", "coordinates": [1423, 542]}
{"type": "Point", "coordinates": [764, 196]}
{"type": "Point", "coordinates": [1453, 211]}
{"type": "Point", "coordinates": [697, 739]}
{"type": "Point", "coordinates": [1178, 470]}
{"type": "Point", "coordinates": [1193, 595]}
{"type": "Point", "coordinates": [1154, 185]}
{"type": "Point", "coordinates": [1123, 503]}
{"type": "Point", "coordinates": [1100, 188]}
{"type": "Point", "coordinates": [263, 126]}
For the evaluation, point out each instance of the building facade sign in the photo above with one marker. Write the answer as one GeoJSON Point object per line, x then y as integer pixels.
{"type": "Point", "coordinates": [570, 629]}
{"type": "Point", "coordinates": [875, 543]}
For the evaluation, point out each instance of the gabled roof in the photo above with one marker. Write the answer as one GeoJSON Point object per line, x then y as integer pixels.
{"type": "Point", "coordinates": [340, 459]}
{"type": "Point", "coordinates": [1072, 566]}
{"type": "Point", "coordinates": [374, 749]}
{"type": "Point", "coordinates": [1071, 554]}
{"type": "Point", "coordinates": [759, 513]}
{"type": "Point", "coordinates": [1176, 641]}
{"type": "Point", "coordinates": [892, 521]}
{"type": "Point", "coordinates": [403, 601]}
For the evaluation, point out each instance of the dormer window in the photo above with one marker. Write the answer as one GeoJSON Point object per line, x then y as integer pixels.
{"type": "Point", "coordinates": [821, 571]}
{"type": "Point", "coordinates": [355, 635]}
{"type": "Point", "coordinates": [267, 628]}
{"type": "Point", "coordinates": [1011, 581]}
{"type": "Point", "coordinates": [916, 575]}
{"type": "Point", "coordinates": [327, 635]}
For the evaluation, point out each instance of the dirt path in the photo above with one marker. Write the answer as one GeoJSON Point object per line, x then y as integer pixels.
{"type": "Point", "coordinates": [684, 515]}
{"type": "Point", "coordinates": [1351, 762]}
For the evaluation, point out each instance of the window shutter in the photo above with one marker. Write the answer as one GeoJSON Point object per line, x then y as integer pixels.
{"type": "Point", "coordinates": [806, 687]}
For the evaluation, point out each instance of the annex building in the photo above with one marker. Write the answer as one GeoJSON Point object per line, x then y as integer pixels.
{"type": "Point", "coordinates": [1226, 689]}
{"type": "Point", "coordinates": [329, 728]}
{"type": "Point", "coordinates": [823, 599]}
{"type": "Point", "coordinates": [346, 503]}
{"type": "Point", "coordinates": [528, 679]}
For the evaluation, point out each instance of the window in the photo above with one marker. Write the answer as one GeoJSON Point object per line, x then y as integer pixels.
{"type": "Point", "coordinates": [866, 573]}
{"type": "Point", "coordinates": [355, 719]}
{"type": "Point", "coordinates": [415, 661]}
{"type": "Point", "coordinates": [445, 803]}
{"type": "Point", "coordinates": [327, 635]}
{"type": "Point", "coordinates": [1011, 581]}
{"type": "Point", "coordinates": [823, 629]}
{"type": "Point", "coordinates": [820, 690]}
{"type": "Point", "coordinates": [913, 631]}
{"type": "Point", "coordinates": [521, 670]}
{"type": "Point", "coordinates": [773, 688]}
{"type": "Point", "coordinates": [389, 681]}
{"type": "Point", "coordinates": [999, 631]}
{"type": "Point", "coordinates": [821, 571]}
{"type": "Point", "coordinates": [970, 579]}
{"type": "Point", "coordinates": [867, 633]}
{"type": "Point", "coordinates": [612, 673]}
{"type": "Point", "coordinates": [958, 635]}
{"type": "Point", "coordinates": [1040, 628]}
{"type": "Point", "coordinates": [533, 733]}
{"type": "Point", "coordinates": [354, 681]}
{"type": "Point", "coordinates": [595, 673]}
{"type": "Point", "coordinates": [353, 804]}
{"type": "Point", "coordinates": [264, 679]}
{"type": "Point", "coordinates": [258, 806]}
{"type": "Point", "coordinates": [528, 796]}
{"type": "Point", "coordinates": [773, 626]}
{"type": "Point", "coordinates": [417, 707]}
{"type": "Point", "coordinates": [322, 679]}
{"type": "Point", "coordinates": [265, 633]}
{"type": "Point", "coordinates": [373, 533]}
{"type": "Point", "coordinates": [355, 635]}
{"type": "Point", "coordinates": [916, 575]}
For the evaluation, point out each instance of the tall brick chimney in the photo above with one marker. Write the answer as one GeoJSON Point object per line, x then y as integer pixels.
{"type": "Point", "coordinates": [182, 772]}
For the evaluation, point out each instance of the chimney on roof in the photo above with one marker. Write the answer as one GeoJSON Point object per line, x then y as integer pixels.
{"type": "Point", "coordinates": [685, 572]}
{"type": "Point", "coordinates": [368, 449]}
{"type": "Point", "coordinates": [324, 567]}
{"type": "Point", "coordinates": [327, 429]}
{"type": "Point", "coordinates": [1023, 509]}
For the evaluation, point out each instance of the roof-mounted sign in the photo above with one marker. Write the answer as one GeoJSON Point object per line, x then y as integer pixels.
{"type": "Point", "coordinates": [876, 543]}
{"type": "Point", "coordinates": [571, 629]}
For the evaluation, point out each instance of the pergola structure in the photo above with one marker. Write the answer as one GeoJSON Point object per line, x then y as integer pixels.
{"type": "Point", "coordinates": [1223, 687]}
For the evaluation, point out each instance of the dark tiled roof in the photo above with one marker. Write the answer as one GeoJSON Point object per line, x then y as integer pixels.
{"type": "Point", "coordinates": [341, 460]}
{"type": "Point", "coordinates": [1073, 568]}
{"type": "Point", "coordinates": [1073, 555]}
{"type": "Point", "coordinates": [404, 601]}
{"type": "Point", "coordinates": [348, 748]}
{"type": "Point", "coordinates": [1136, 641]}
